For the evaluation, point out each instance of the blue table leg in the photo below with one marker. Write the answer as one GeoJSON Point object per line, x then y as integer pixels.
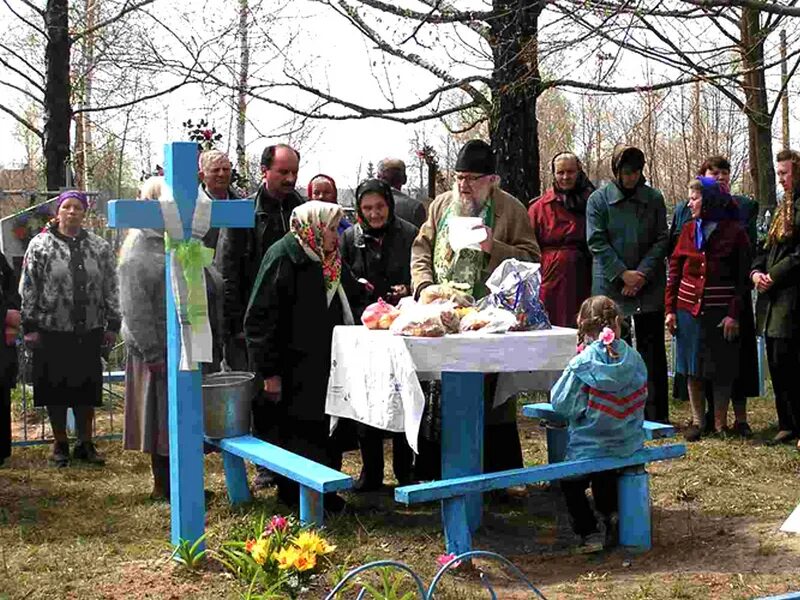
{"type": "Point", "coordinates": [311, 508]}
{"type": "Point", "coordinates": [187, 501]}
{"type": "Point", "coordinates": [236, 478]}
{"type": "Point", "coordinates": [634, 509]}
{"type": "Point", "coordinates": [557, 438]}
{"type": "Point", "coordinates": [456, 529]}
{"type": "Point", "coordinates": [462, 434]}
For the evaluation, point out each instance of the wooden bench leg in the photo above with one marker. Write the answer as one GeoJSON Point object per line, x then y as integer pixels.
{"type": "Point", "coordinates": [311, 507]}
{"type": "Point", "coordinates": [235, 478]}
{"type": "Point", "coordinates": [456, 528]}
{"type": "Point", "coordinates": [557, 438]}
{"type": "Point", "coordinates": [634, 509]}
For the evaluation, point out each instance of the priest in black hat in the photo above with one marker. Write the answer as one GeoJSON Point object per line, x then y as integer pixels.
{"type": "Point", "coordinates": [475, 193]}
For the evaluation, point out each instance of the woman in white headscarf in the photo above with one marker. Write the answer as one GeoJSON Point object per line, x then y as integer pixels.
{"type": "Point", "coordinates": [298, 298]}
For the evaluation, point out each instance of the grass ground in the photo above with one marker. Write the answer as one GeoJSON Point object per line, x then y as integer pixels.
{"type": "Point", "coordinates": [89, 533]}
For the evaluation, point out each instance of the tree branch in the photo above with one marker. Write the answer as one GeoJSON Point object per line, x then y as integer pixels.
{"type": "Point", "coordinates": [128, 8]}
{"type": "Point", "coordinates": [23, 91]}
{"type": "Point", "coordinates": [451, 16]}
{"type": "Point", "coordinates": [10, 67]}
{"type": "Point", "coordinates": [26, 21]}
{"type": "Point", "coordinates": [23, 121]}
{"type": "Point", "coordinates": [767, 7]}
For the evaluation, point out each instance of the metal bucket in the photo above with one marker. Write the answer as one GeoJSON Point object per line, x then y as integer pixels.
{"type": "Point", "coordinates": [226, 403]}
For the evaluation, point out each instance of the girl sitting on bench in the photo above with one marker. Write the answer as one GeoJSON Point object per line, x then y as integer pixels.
{"type": "Point", "coordinates": [602, 394]}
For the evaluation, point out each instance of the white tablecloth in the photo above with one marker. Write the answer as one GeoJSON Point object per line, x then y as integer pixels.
{"type": "Point", "coordinates": [374, 374]}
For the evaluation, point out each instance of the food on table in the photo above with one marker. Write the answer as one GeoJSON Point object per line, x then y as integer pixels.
{"type": "Point", "coordinates": [379, 315]}
{"type": "Point", "coordinates": [490, 320]}
{"type": "Point", "coordinates": [445, 293]}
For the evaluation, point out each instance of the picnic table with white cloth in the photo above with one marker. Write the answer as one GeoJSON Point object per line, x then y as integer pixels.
{"type": "Point", "coordinates": [375, 380]}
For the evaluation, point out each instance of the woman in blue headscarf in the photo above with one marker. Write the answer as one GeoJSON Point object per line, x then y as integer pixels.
{"type": "Point", "coordinates": [708, 274]}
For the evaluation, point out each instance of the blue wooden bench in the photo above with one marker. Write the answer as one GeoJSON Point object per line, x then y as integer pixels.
{"type": "Point", "coordinates": [557, 435]}
{"type": "Point", "coordinates": [315, 480]}
{"type": "Point", "coordinates": [634, 493]}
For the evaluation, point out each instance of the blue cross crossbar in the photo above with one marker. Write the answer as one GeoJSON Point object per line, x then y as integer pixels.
{"type": "Point", "coordinates": [634, 493]}
{"type": "Point", "coordinates": [315, 479]}
{"type": "Point", "coordinates": [544, 410]}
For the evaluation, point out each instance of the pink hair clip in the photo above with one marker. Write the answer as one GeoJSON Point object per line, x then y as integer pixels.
{"type": "Point", "coordinates": [607, 336]}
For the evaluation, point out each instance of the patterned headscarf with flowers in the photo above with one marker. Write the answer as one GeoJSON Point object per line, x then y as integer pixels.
{"type": "Point", "coordinates": [308, 222]}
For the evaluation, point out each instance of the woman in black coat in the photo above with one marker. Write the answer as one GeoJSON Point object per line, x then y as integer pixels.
{"type": "Point", "coordinates": [378, 251]}
{"type": "Point", "coordinates": [298, 298]}
{"type": "Point", "coordinates": [9, 311]}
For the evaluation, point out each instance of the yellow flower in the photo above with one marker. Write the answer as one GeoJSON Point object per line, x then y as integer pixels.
{"type": "Point", "coordinates": [260, 551]}
{"type": "Point", "coordinates": [286, 557]}
{"type": "Point", "coordinates": [305, 561]}
{"type": "Point", "coordinates": [308, 541]}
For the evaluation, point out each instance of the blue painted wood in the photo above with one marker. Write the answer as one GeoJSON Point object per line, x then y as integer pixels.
{"type": "Point", "coordinates": [437, 490]}
{"type": "Point", "coordinates": [462, 433]}
{"type": "Point", "coordinates": [236, 479]}
{"type": "Point", "coordinates": [761, 347]}
{"type": "Point", "coordinates": [184, 387]}
{"type": "Point", "coordinates": [557, 439]}
{"type": "Point", "coordinates": [297, 468]}
{"type": "Point", "coordinates": [457, 535]}
{"type": "Point", "coordinates": [544, 410]}
{"type": "Point", "coordinates": [114, 377]}
{"type": "Point", "coordinates": [789, 596]}
{"type": "Point", "coordinates": [634, 509]}
{"type": "Point", "coordinates": [147, 214]}
{"type": "Point", "coordinates": [311, 506]}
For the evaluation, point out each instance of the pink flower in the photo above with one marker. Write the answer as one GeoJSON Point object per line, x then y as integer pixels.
{"type": "Point", "coordinates": [277, 523]}
{"type": "Point", "coordinates": [607, 336]}
{"type": "Point", "coordinates": [207, 134]}
{"type": "Point", "coordinates": [580, 348]}
{"type": "Point", "coordinates": [444, 559]}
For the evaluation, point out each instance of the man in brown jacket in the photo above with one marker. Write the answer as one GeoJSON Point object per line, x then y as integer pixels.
{"type": "Point", "coordinates": [476, 193]}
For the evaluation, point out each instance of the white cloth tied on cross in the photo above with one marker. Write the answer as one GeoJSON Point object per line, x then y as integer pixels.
{"type": "Point", "coordinates": [196, 338]}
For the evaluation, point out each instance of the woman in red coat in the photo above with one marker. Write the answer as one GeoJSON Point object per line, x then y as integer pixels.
{"type": "Point", "coordinates": [559, 220]}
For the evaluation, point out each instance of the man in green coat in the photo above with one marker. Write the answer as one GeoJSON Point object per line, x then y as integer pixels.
{"type": "Point", "coordinates": [776, 277]}
{"type": "Point", "coordinates": [626, 229]}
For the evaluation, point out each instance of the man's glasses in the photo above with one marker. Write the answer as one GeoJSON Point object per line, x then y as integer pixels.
{"type": "Point", "coordinates": [469, 178]}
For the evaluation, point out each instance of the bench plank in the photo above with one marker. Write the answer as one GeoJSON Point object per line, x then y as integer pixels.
{"type": "Point", "coordinates": [544, 410]}
{"type": "Point", "coordinates": [304, 471]}
{"type": "Point", "coordinates": [438, 490]}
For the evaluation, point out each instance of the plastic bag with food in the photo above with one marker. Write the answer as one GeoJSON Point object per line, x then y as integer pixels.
{"type": "Point", "coordinates": [420, 320]}
{"type": "Point", "coordinates": [489, 320]}
{"type": "Point", "coordinates": [445, 292]}
{"type": "Point", "coordinates": [514, 286]}
{"type": "Point", "coordinates": [379, 315]}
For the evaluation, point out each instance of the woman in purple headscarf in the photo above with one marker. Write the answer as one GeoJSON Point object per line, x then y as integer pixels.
{"type": "Point", "coordinates": [70, 312]}
{"type": "Point", "coordinates": [708, 275]}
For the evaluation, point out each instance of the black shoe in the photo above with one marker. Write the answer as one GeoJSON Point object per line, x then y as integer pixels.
{"type": "Point", "coordinates": [334, 504]}
{"type": "Point", "coordinates": [784, 436]}
{"type": "Point", "coordinates": [60, 456]}
{"type": "Point", "coordinates": [742, 429]}
{"type": "Point", "coordinates": [264, 479]}
{"type": "Point", "coordinates": [367, 484]}
{"type": "Point", "coordinates": [692, 433]}
{"type": "Point", "coordinates": [87, 452]}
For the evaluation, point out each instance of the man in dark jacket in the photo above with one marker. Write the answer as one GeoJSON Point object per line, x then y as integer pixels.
{"type": "Point", "coordinates": [776, 277]}
{"type": "Point", "coordinates": [626, 229]}
{"type": "Point", "coordinates": [393, 172]}
{"type": "Point", "coordinates": [239, 254]}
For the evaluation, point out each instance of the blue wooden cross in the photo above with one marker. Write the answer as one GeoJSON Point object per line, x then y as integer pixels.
{"type": "Point", "coordinates": [184, 387]}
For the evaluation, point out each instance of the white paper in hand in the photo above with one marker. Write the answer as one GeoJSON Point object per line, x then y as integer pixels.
{"type": "Point", "coordinates": [462, 233]}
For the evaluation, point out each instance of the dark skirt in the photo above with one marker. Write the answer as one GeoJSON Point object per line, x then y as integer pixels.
{"type": "Point", "coordinates": [701, 349]}
{"type": "Point", "coordinates": [67, 369]}
{"type": "Point", "coordinates": [5, 422]}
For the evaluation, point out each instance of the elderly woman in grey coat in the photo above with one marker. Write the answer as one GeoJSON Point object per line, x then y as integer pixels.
{"type": "Point", "coordinates": [144, 329]}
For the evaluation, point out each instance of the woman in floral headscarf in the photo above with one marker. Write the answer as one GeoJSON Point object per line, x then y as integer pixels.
{"type": "Point", "coordinates": [298, 298]}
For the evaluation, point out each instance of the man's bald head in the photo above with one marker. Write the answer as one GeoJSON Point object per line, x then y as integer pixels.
{"type": "Point", "coordinates": [393, 172]}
